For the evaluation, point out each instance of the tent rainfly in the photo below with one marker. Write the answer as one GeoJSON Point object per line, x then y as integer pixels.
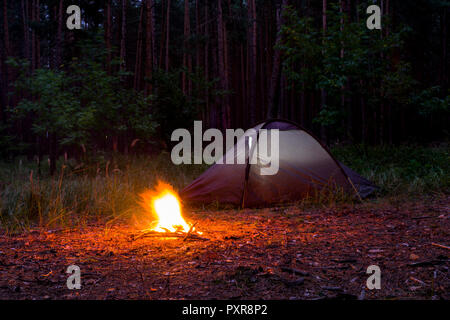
{"type": "Point", "coordinates": [305, 168]}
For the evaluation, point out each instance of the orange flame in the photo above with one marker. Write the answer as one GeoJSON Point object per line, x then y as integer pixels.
{"type": "Point", "coordinates": [164, 203]}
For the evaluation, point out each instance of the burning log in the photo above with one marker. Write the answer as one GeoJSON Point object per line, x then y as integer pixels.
{"type": "Point", "coordinates": [156, 234]}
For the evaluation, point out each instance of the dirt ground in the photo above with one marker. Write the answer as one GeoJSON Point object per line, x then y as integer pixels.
{"type": "Point", "coordinates": [276, 253]}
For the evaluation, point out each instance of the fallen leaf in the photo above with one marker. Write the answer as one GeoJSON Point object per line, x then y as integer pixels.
{"type": "Point", "coordinates": [413, 256]}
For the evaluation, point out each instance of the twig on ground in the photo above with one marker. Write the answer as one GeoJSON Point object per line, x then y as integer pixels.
{"type": "Point", "coordinates": [189, 232]}
{"type": "Point", "coordinates": [424, 217]}
{"type": "Point", "coordinates": [427, 263]}
{"type": "Point", "coordinates": [295, 271]}
{"type": "Point", "coordinates": [440, 246]}
{"type": "Point", "coordinates": [294, 283]}
{"type": "Point", "coordinates": [417, 281]}
{"type": "Point", "coordinates": [155, 234]}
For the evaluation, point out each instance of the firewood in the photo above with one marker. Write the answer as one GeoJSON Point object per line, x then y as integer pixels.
{"type": "Point", "coordinates": [294, 283]}
{"type": "Point", "coordinates": [189, 232]}
{"type": "Point", "coordinates": [294, 271]}
{"type": "Point", "coordinates": [424, 217]}
{"type": "Point", "coordinates": [440, 246]}
{"type": "Point", "coordinates": [169, 234]}
{"type": "Point", "coordinates": [417, 281]}
{"type": "Point", "coordinates": [332, 288]}
{"type": "Point", "coordinates": [427, 263]}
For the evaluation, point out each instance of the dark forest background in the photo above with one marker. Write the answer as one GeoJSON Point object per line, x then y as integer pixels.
{"type": "Point", "coordinates": [139, 69]}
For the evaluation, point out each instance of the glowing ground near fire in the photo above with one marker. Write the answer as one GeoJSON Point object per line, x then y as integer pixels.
{"type": "Point", "coordinates": [276, 253]}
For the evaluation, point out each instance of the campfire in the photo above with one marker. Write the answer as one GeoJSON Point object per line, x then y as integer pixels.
{"type": "Point", "coordinates": [163, 204]}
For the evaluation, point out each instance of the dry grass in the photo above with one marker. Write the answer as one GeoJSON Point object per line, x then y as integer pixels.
{"type": "Point", "coordinates": [81, 193]}
{"type": "Point", "coordinates": [107, 188]}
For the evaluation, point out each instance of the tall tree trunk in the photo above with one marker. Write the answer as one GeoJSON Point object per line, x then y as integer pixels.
{"type": "Point", "coordinates": [361, 96]}
{"type": "Point", "coordinates": [261, 75]}
{"type": "Point", "coordinates": [167, 34]}
{"type": "Point", "coordinates": [2, 86]}
{"type": "Point", "coordinates": [6, 43]}
{"type": "Point", "coordinates": [243, 77]}
{"type": "Point", "coordinates": [276, 65]}
{"type": "Point", "coordinates": [138, 62]}
{"type": "Point", "coordinates": [163, 37]}
{"type": "Point", "coordinates": [303, 106]}
{"type": "Point", "coordinates": [303, 98]}
{"type": "Point", "coordinates": [252, 60]}
{"type": "Point", "coordinates": [53, 152]}
{"type": "Point", "coordinates": [221, 62]}
{"type": "Point", "coordinates": [216, 106]}
{"type": "Point", "coordinates": [58, 60]}
{"type": "Point", "coordinates": [390, 121]}
{"type": "Point", "coordinates": [197, 34]}
{"type": "Point", "coordinates": [108, 36]}
{"type": "Point", "coordinates": [283, 110]}
{"type": "Point", "coordinates": [33, 36]}
{"type": "Point", "coordinates": [226, 77]}
{"type": "Point", "coordinates": [123, 39]}
{"type": "Point", "coordinates": [381, 125]}
{"type": "Point", "coordinates": [206, 64]}
{"type": "Point", "coordinates": [6, 53]}
{"type": "Point", "coordinates": [323, 93]}
{"type": "Point", "coordinates": [59, 37]}
{"type": "Point", "coordinates": [348, 85]}
{"type": "Point", "coordinates": [444, 60]}
{"type": "Point", "coordinates": [363, 112]}
{"type": "Point", "coordinates": [341, 55]}
{"type": "Point", "coordinates": [38, 40]}
{"type": "Point", "coordinates": [26, 33]}
{"type": "Point", "coordinates": [243, 86]}
{"type": "Point", "coordinates": [201, 111]}
{"type": "Point", "coordinates": [149, 50]}
{"type": "Point", "coordinates": [155, 57]}
{"type": "Point", "coordinates": [187, 61]}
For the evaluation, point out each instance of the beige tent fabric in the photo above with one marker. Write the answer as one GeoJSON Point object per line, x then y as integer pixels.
{"type": "Point", "coordinates": [305, 168]}
{"type": "Point", "coordinates": [223, 183]}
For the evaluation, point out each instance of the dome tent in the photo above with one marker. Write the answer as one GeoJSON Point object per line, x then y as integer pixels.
{"type": "Point", "coordinates": [305, 167]}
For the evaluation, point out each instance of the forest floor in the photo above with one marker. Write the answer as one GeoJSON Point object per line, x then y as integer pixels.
{"type": "Point", "coordinates": [272, 253]}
